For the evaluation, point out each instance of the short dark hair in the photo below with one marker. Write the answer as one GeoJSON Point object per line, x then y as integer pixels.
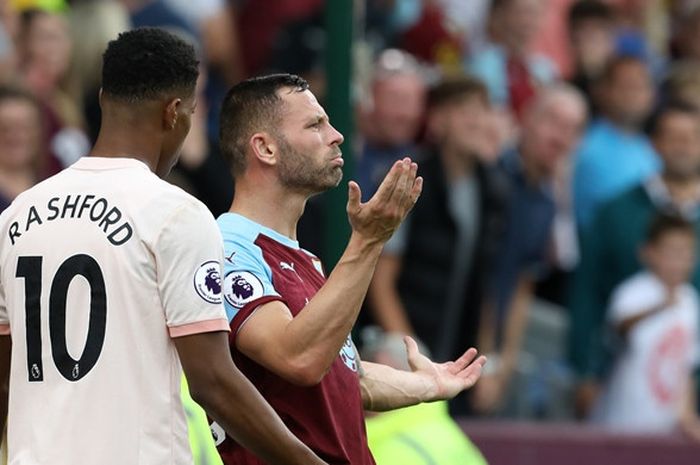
{"type": "Point", "coordinates": [664, 223]}
{"type": "Point", "coordinates": [251, 105]}
{"type": "Point", "coordinates": [655, 121]}
{"type": "Point", "coordinates": [148, 64]}
{"type": "Point", "coordinates": [585, 10]}
{"type": "Point", "coordinates": [455, 88]}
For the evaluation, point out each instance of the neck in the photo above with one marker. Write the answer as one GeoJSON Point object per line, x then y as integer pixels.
{"type": "Point", "coordinates": [133, 138]}
{"type": "Point", "coordinates": [682, 189]}
{"type": "Point", "coordinates": [272, 206]}
{"type": "Point", "coordinates": [457, 164]}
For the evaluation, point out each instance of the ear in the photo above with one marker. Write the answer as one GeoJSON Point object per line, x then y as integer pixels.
{"type": "Point", "coordinates": [265, 148]}
{"type": "Point", "coordinates": [170, 114]}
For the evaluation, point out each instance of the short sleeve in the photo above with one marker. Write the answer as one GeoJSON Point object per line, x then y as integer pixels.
{"type": "Point", "coordinates": [247, 279]}
{"type": "Point", "coordinates": [188, 254]}
{"type": "Point", "coordinates": [634, 297]}
{"type": "Point", "coordinates": [4, 318]}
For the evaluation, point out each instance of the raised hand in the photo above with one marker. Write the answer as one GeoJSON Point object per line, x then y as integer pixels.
{"type": "Point", "coordinates": [449, 378]}
{"type": "Point", "coordinates": [377, 219]}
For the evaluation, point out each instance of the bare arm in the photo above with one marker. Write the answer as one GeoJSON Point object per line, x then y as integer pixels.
{"type": "Point", "coordinates": [302, 349]}
{"type": "Point", "coordinates": [230, 399]}
{"type": "Point", "coordinates": [384, 298]}
{"type": "Point", "coordinates": [386, 388]}
{"type": "Point", "coordinates": [489, 392]}
{"type": "Point", "coordinates": [5, 352]}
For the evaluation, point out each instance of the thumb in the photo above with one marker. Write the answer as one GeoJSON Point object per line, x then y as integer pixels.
{"type": "Point", "coordinates": [411, 351]}
{"type": "Point", "coordinates": [354, 195]}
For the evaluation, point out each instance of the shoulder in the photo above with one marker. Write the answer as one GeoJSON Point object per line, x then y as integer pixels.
{"type": "Point", "coordinates": [642, 285]}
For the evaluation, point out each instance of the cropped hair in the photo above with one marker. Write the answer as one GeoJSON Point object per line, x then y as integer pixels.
{"type": "Point", "coordinates": [148, 64]}
{"type": "Point", "coordinates": [250, 106]}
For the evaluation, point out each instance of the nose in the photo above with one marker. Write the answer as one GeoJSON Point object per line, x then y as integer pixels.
{"type": "Point", "coordinates": [336, 137]}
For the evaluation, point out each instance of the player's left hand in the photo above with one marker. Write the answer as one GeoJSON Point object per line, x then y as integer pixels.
{"type": "Point", "coordinates": [449, 378]}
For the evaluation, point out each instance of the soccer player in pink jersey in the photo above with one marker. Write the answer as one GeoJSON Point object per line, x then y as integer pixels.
{"type": "Point", "coordinates": [110, 280]}
{"type": "Point", "coordinates": [290, 325]}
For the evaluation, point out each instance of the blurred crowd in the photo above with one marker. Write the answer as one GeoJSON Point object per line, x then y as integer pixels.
{"type": "Point", "coordinates": [559, 142]}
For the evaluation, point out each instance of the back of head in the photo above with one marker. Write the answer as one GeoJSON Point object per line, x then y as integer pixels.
{"type": "Point", "coordinates": [148, 64]}
{"type": "Point", "coordinates": [250, 106]}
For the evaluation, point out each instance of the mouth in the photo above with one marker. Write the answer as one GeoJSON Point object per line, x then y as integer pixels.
{"type": "Point", "coordinates": [338, 160]}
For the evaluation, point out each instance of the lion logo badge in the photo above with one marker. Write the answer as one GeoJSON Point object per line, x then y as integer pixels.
{"type": "Point", "coordinates": [241, 287]}
{"type": "Point", "coordinates": [207, 281]}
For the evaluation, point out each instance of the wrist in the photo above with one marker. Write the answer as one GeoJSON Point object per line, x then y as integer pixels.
{"type": "Point", "coordinates": [364, 245]}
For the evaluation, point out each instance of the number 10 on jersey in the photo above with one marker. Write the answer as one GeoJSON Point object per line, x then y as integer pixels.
{"type": "Point", "coordinates": [30, 269]}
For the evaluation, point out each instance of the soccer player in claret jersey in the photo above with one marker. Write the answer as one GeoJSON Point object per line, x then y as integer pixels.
{"type": "Point", "coordinates": [290, 326]}
{"type": "Point", "coordinates": [107, 274]}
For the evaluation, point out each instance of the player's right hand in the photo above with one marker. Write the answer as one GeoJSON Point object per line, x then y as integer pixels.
{"type": "Point", "coordinates": [378, 218]}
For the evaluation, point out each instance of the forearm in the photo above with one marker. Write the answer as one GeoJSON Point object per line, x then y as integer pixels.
{"type": "Point", "coordinates": [243, 413]}
{"type": "Point", "coordinates": [319, 331]}
{"type": "Point", "coordinates": [516, 323]}
{"type": "Point", "coordinates": [385, 388]}
{"type": "Point", "coordinates": [624, 326]}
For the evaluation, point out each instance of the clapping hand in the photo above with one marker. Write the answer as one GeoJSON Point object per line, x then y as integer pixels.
{"type": "Point", "coordinates": [378, 218]}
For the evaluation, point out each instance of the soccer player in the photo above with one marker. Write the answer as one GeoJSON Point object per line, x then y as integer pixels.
{"type": "Point", "coordinates": [290, 327]}
{"type": "Point", "coordinates": [107, 274]}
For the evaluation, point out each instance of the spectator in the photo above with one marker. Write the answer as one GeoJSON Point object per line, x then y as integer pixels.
{"type": "Point", "coordinates": [390, 130]}
{"type": "Point", "coordinates": [592, 36]}
{"type": "Point", "coordinates": [551, 129]}
{"type": "Point", "coordinates": [44, 58]}
{"type": "Point", "coordinates": [429, 279]}
{"type": "Point", "coordinates": [413, 435]}
{"type": "Point", "coordinates": [614, 153]}
{"type": "Point", "coordinates": [510, 70]}
{"type": "Point", "coordinates": [655, 313]}
{"type": "Point", "coordinates": [21, 142]}
{"type": "Point", "coordinates": [609, 247]}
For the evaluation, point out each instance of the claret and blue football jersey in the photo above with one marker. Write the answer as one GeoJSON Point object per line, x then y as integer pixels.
{"type": "Point", "coordinates": [260, 266]}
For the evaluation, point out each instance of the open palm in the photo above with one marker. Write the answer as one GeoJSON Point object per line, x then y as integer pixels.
{"type": "Point", "coordinates": [449, 378]}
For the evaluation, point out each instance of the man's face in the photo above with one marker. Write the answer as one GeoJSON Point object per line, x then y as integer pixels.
{"type": "Point", "coordinates": [398, 102]}
{"type": "Point", "coordinates": [520, 20]}
{"type": "Point", "coordinates": [464, 126]}
{"type": "Point", "coordinates": [628, 96]}
{"type": "Point", "coordinates": [310, 160]}
{"type": "Point", "coordinates": [677, 141]}
{"type": "Point", "coordinates": [19, 133]}
{"type": "Point", "coordinates": [551, 131]}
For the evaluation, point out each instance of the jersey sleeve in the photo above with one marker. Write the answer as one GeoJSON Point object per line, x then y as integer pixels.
{"type": "Point", "coordinates": [188, 256]}
{"type": "Point", "coordinates": [4, 317]}
{"type": "Point", "coordinates": [247, 280]}
{"type": "Point", "coordinates": [631, 299]}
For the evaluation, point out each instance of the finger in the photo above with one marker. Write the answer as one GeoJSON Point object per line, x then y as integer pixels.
{"type": "Point", "coordinates": [473, 367]}
{"type": "Point", "coordinates": [386, 188]}
{"type": "Point", "coordinates": [409, 200]}
{"type": "Point", "coordinates": [411, 351]}
{"type": "Point", "coordinates": [466, 358]}
{"type": "Point", "coordinates": [416, 190]}
{"type": "Point", "coordinates": [354, 196]}
{"type": "Point", "coordinates": [402, 184]}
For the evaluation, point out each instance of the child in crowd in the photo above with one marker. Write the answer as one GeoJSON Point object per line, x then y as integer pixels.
{"type": "Point", "coordinates": [655, 316]}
